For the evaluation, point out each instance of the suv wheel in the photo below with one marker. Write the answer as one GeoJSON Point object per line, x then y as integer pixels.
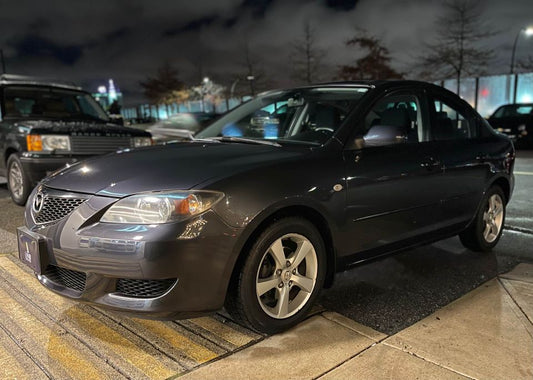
{"type": "Point", "coordinates": [486, 229]}
{"type": "Point", "coordinates": [281, 277]}
{"type": "Point", "coordinates": [17, 181]}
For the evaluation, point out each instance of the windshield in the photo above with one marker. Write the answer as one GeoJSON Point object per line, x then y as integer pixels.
{"type": "Point", "coordinates": [514, 110]}
{"type": "Point", "coordinates": [47, 102]}
{"type": "Point", "coordinates": [303, 115]}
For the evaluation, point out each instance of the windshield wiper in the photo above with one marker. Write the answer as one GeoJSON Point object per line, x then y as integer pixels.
{"type": "Point", "coordinates": [244, 140]}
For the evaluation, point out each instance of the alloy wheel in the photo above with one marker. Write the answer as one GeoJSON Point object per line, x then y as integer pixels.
{"type": "Point", "coordinates": [286, 276]}
{"type": "Point", "coordinates": [16, 182]}
{"type": "Point", "coordinates": [493, 218]}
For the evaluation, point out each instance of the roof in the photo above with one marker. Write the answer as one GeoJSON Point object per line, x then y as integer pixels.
{"type": "Point", "coordinates": [7, 79]}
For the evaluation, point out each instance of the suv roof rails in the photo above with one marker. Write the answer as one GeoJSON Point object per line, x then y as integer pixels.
{"type": "Point", "coordinates": [6, 79]}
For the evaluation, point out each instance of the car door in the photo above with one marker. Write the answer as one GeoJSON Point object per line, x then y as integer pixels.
{"type": "Point", "coordinates": [391, 186]}
{"type": "Point", "coordinates": [455, 131]}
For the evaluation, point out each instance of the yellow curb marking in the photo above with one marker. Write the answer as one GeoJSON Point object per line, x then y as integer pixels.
{"type": "Point", "coordinates": [127, 350]}
{"type": "Point", "coordinates": [193, 350]}
{"type": "Point", "coordinates": [59, 348]}
{"type": "Point", "coordinates": [96, 329]}
{"type": "Point", "coordinates": [10, 367]}
{"type": "Point", "coordinates": [222, 331]}
{"type": "Point", "coordinates": [524, 173]}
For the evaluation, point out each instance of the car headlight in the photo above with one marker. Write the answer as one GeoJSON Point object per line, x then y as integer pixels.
{"type": "Point", "coordinates": [157, 208]}
{"type": "Point", "coordinates": [47, 143]}
{"type": "Point", "coordinates": [141, 141]}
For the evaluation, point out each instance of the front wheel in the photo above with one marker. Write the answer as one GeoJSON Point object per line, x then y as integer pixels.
{"type": "Point", "coordinates": [280, 278]}
{"type": "Point", "coordinates": [486, 229]}
{"type": "Point", "coordinates": [17, 181]}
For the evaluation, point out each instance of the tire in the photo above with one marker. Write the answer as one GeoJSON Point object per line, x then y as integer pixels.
{"type": "Point", "coordinates": [486, 229]}
{"type": "Point", "coordinates": [259, 304]}
{"type": "Point", "coordinates": [17, 181]}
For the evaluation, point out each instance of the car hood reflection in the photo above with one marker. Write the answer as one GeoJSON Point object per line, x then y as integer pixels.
{"type": "Point", "coordinates": [171, 167]}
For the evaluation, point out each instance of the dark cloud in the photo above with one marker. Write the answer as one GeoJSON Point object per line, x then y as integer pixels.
{"type": "Point", "coordinates": [91, 41]}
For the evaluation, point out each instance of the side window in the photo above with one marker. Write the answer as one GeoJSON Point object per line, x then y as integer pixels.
{"type": "Point", "coordinates": [450, 123]}
{"type": "Point", "coordinates": [401, 111]}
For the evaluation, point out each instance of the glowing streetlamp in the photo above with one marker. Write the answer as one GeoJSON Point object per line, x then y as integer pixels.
{"type": "Point", "coordinates": [528, 31]}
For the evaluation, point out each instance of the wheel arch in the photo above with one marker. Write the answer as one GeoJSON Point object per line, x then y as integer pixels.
{"type": "Point", "coordinates": [302, 211]}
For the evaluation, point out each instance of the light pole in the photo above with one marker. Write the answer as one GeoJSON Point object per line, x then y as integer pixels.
{"type": "Point", "coordinates": [528, 31]}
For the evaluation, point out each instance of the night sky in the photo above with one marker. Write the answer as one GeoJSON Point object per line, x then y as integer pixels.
{"type": "Point", "coordinates": [91, 41]}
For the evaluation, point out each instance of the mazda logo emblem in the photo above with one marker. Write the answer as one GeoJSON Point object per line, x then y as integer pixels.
{"type": "Point", "coordinates": [38, 202]}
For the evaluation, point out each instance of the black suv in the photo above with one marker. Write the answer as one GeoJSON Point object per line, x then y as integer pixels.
{"type": "Point", "coordinates": [46, 125]}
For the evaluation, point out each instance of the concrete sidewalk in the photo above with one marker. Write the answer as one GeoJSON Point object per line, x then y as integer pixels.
{"type": "Point", "coordinates": [486, 334]}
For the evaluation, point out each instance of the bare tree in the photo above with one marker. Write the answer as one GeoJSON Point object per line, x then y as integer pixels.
{"type": "Point", "coordinates": [306, 57]}
{"type": "Point", "coordinates": [252, 78]}
{"type": "Point", "coordinates": [455, 51]}
{"type": "Point", "coordinates": [526, 64]}
{"type": "Point", "coordinates": [374, 65]}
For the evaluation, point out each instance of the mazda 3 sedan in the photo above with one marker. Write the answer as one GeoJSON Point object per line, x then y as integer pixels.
{"type": "Point", "coordinates": [259, 220]}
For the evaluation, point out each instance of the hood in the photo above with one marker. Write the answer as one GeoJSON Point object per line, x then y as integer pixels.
{"type": "Point", "coordinates": [80, 127]}
{"type": "Point", "coordinates": [168, 167]}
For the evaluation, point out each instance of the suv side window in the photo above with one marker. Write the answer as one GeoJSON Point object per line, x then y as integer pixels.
{"type": "Point", "coordinates": [450, 122]}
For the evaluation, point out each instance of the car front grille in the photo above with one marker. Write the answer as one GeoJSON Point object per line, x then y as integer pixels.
{"type": "Point", "coordinates": [143, 288]}
{"type": "Point", "coordinates": [66, 277]}
{"type": "Point", "coordinates": [99, 144]}
{"type": "Point", "coordinates": [55, 208]}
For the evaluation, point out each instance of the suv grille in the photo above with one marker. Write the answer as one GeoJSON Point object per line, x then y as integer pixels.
{"type": "Point", "coordinates": [55, 208]}
{"type": "Point", "coordinates": [144, 288]}
{"type": "Point", "coordinates": [99, 144]}
{"type": "Point", "coordinates": [66, 277]}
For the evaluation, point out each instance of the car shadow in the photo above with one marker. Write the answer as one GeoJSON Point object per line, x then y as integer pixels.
{"type": "Point", "coordinates": [393, 293]}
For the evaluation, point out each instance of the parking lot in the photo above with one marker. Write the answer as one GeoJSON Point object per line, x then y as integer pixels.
{"type": "Point", "coordinates": [44, 335]}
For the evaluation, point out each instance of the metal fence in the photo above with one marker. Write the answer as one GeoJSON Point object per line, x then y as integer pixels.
{"type": "Point", "coordinates": [485, 94]}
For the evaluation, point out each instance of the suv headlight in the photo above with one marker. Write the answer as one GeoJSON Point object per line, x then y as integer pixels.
{"type": "Point", "coordinates": [141, 141]}
{"type": "Point", "coordinates": [157, 208]}
{"type": "Point", "coordinates": [47, 143]}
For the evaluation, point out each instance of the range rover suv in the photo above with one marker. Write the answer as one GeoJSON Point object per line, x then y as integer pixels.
{"type": "Point", "coordinates": [46, 125]}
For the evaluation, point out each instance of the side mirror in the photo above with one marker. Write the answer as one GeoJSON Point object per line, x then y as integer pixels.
{"type": "Point", "coordinates": [380, 135]}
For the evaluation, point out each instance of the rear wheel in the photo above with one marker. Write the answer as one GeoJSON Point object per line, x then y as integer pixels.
{"type": "Point", "coordinates": [280, 278]}
{"type": "Point", "coordinates": [486, 229]}
{"type": "Point", "coordinates": [17, 181]}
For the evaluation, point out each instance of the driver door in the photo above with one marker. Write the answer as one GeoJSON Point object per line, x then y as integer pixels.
{"type": "Point", "coordinates": [391, 184]}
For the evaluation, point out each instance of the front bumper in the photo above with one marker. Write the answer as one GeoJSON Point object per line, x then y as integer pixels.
{"type": "Point", "coordinates": [36, 167]}
{"type": "Point", "coordinates": [189, 263]}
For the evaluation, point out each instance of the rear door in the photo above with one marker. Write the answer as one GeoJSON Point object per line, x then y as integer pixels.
{"type": "Point", "coordinates": [455, 131]}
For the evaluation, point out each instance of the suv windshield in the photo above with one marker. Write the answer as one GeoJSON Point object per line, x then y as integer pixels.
{"type": "Point", "coordinates": [47, 102]}
{"type": "Point", "coordinates": [305, 115]}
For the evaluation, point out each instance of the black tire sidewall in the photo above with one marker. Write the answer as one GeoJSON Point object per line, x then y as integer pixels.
{"type": "Point", "coordinates": [25, 182]}
{"type": "Point", "coordinates": [254, 313]}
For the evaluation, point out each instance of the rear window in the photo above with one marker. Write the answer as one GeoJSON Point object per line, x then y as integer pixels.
{"type": "Point", "coordinates": [514, 110]}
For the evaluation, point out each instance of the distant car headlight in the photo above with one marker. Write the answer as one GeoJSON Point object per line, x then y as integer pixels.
{"type": "Point", "coordinates": [141, 141]}
{"type": "Point", "coordinates": [521, 127]}
{"type": "Point", "coordinates": [157, 208]}
{"type": "Point", "coordinates": [47, 143]}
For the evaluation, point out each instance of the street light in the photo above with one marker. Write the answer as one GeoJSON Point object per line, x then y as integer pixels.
{"type": "Point", "coordinates": [251, 79]}
{"type": "Point", "coordinates": [528, 31]}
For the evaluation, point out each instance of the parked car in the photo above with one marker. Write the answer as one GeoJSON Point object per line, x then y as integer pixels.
{"type": "Point", "coordinates": [181, 126]}
{"type": "Point", "coordinates": [46, 125]}
{"type": "Point", "coordinates": [516, 121]}
{"type": "Point", "coordinates": [357, 170]}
